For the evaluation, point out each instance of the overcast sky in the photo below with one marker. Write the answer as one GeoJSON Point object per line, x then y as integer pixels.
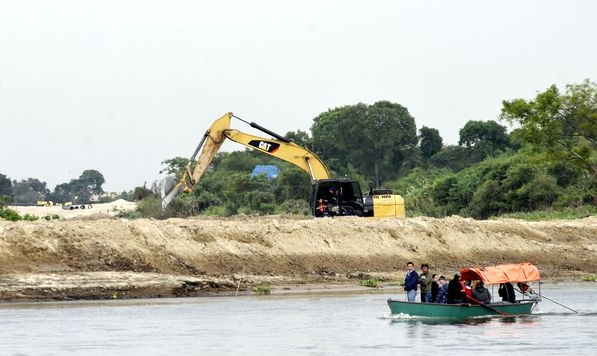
{"type": "Point", "coordinates": [120, 86]}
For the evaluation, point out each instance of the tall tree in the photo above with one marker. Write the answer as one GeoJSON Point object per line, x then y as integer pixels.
{"type": "Point", "coordinates": [29, 190]}
{"type": "Point", "coordinates": [430, 141]}
{"type": "Point", "coordinates": [563, 124]}
{"type": "Point", "coordinates": [81, 190]}
{"type": "Point", "coordinates": [92, 181]}
{"type": "Point", "coordinates": [62, 193]}
{"type": "Point", "coordinates": [5, 185]}
{"type": "Point", "coordinates": [174, 165]}
{"type": "Point", "coordinates": [486, 137]}
{"type": "Point", "coordinates": [325, 133]}
{"type": "Point", "coordinates": [300, 137]}
{"type": "Point", "coordinates": [373, 138]}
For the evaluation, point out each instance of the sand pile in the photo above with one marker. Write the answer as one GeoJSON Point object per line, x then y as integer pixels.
{"type": "Point", "coordinates": [101, 210]}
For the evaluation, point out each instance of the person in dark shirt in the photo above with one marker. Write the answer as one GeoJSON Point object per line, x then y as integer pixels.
{"type": "Point", "coordinates": [442, 293]}
{"type": "Point", "coordinates": [425, 280]}
{"type": "Point", "coordinates": [481, 294]}
{"type": "Point", "coordinates": [455, 291]}
{"type": "Point", "coordinates": [506, 291]}
{"type": "Point", "coordinates": [410, 282]}
{"type": "Point", "coordinates": [434, 287]}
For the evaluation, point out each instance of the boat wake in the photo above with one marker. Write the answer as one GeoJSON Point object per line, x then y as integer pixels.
{"type": "Point", "coordinates": [403, 317]}
{"type": "Point", "coordinates": [410, 319]}
{"type": "Point", "coordinates": [539, 313]}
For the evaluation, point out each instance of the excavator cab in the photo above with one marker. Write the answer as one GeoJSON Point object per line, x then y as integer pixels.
{"type": "Point", "coordinates": [337, 197]}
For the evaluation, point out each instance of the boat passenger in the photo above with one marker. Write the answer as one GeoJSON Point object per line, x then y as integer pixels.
{"type": "Point", "coordinates": [506, 291]}
{"type": "Point", "coordinates": [410, 282]}
{"type": "Point", "coordinates": [525, 288]}
{"type": "Point", "coordinates": [434, 287]}
{"type": "Point", "coordinates": [442, 293]}
{"type": "Point", "coordinates": [455, 291]}
{"type": "Point", "coordinates": [468, 292]}
{"type": "Point", "coordinates": [425, 280]}
{"type": "Point", "coordinates": [481, 293]}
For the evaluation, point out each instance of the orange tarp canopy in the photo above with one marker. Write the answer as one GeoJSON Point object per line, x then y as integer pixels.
{"type": "Point", "coordinates": [520, 272]}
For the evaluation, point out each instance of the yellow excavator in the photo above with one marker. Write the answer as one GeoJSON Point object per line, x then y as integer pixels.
{"type": "Point", "coordinates": [330, 197]}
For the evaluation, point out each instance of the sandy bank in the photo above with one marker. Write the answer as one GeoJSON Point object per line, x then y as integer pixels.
{"type": "Point", "coordinates": [93, 257]}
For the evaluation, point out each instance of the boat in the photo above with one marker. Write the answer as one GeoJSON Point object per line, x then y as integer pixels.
{"type": "Point", "coordinates": [490, 275]}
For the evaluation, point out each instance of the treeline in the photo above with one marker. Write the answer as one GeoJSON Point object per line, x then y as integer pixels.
{"type": "Point", "coordinates": [548, 163]}
{"type": "Point", "coordinates": [29, 191]}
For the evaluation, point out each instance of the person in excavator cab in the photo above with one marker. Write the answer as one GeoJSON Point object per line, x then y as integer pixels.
{"type": "Point", "coordinates": [322, 209]}
{"type": "Point", "coordinates": [334, 196]}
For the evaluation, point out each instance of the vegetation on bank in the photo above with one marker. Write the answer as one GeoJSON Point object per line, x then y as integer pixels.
{"type": "Point", "coordinates": [546, 168]}
{"type": "Point", "coordinates": [262, 288]}
{"type": "Point", "coordinates": [370, 282]}
{"type": "Point", "coordinates": [551, 214]}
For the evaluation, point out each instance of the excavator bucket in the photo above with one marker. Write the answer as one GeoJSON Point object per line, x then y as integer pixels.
{"type": "Point", "coordinates": [209, 146]}
{"type": "Point", "coordinates": [169, 189]}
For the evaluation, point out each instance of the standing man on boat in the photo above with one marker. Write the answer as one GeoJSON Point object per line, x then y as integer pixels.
{"type": "Point", "coordinates": [425, 280]}
{"type": "Point", "coordinates": [410, 282]}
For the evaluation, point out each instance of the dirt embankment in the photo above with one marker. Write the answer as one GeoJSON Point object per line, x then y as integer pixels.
{"type": "Point", "coordinates": [102, 257]}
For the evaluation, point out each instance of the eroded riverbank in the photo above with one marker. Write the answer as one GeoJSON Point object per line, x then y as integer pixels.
{"type": "Point", "coordinates": [100, 257]}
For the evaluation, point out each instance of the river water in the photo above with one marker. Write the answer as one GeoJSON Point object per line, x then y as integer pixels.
{"type": "Point", "coordinates": [349, 323]}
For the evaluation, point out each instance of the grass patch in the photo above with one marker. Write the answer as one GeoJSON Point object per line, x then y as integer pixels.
{"type": "Point", "coordinates": [52, 217]}
{"type": "Point", "coordinates": [370, 282]}
{"type": "Point", "coordinates": [546, 215]}
{"type": "Point", "coordinates": [12, 215]}
{"type": "Point", "coordinates": [262, 288]}
{"type": "Point", "coordinates": [589, 278]}
{"type": "Point", "coordinates": [128, 214]}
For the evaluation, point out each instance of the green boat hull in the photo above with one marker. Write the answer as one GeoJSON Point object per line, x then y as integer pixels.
{"type": "Point", "coordinates": [460, 311]}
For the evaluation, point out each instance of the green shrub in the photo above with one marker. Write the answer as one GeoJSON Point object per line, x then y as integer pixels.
{"type": "Point", "coordinates": [29, 217]}
{"type": "Point", "coordinates": [218, 210]}
{"type": "Point", "coordinates": [552, 214]}
{"type": "Point", "coordinates": [590, 278]}
{"type": "Point", "coordinates": [295, 207]}
{"type": "Point", "coordinates": [9, 214]}
{"type": "Point", "coordinates": [150, 207]}
{"type": "Point", "coordinates": [141, 193]}
{"type": "Point", "coordinates": [129, 214]}
{"type": "Point", "coordinates": [262, 288]}
{"type": "Point", "coordinates": [370, 282]}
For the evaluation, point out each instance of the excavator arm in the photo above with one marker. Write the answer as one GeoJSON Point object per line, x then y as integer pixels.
{"type": "Point", "coordinates": [219, 131]}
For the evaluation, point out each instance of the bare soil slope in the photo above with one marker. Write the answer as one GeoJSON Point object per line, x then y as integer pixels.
{"type": "Point", "coordinates": [98, 256]}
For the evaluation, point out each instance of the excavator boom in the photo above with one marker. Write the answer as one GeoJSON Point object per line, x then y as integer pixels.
{"type": "Point", "coordinates": [287, 151]}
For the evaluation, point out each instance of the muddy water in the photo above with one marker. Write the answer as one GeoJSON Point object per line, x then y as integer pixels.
{"type": "Point", "coordinates": [322, 324]}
